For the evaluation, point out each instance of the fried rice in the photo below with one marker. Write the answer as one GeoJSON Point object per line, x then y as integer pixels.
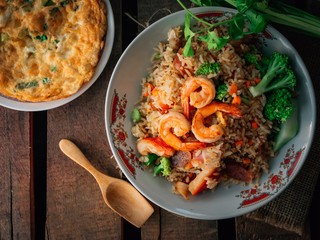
{"type": "Point", "coordinates": [243, 143]}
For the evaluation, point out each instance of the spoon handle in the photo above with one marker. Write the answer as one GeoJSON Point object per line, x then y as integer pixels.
{"type": "Point", "coordinates": [73, 152]}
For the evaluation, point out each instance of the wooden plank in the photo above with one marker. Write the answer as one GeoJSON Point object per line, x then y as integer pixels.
{"type": "Point", "coordinates": [75, 208]}
{"type": "Point", "coordinates": [15, 175]}
{"type": "Point", "coordinates": [162, 224]}
{"type": "Point", "coordinates": [176, 227]}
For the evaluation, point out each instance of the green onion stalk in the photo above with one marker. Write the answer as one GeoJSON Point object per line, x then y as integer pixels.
{"type": "Point", "coordinates": [279, 12]}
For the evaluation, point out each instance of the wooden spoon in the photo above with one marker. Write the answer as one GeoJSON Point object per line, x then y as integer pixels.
{"type": "Point", "coordinates": [118, 194]}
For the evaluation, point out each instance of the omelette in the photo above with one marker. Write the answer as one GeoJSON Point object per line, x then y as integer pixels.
{"type": "Point", "coordinates": [49, 48]}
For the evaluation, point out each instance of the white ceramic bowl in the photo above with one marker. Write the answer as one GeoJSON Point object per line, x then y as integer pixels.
{"type": "Point", "coordinates": [40, 106]}
{"type": "Point", "coordinates": [124, 90]}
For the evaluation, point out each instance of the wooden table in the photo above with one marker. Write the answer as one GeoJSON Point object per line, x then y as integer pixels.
{"type": "Point", "coordinates": [44, 195]}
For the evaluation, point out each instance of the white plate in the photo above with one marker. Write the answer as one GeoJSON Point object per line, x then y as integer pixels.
{"type": "Point", "coordinates": [124, 90]}
{"type": "Point", "coordinates": [40, 106]}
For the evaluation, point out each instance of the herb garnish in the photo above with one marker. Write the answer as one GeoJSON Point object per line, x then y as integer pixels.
{"type": "Point", "coordinates": [24, 85]}
{"type": "Point", "coordinates": [236, 30]}
{"type": "Point", "coordinates": [64, 3]}
{"type": "Point", "coordinates": [42, 37]}
{"type": "Point", "coordinates": [48, 3]}
{"type": "Point", "coordinates": [46, 80]}
{"type": "Point", "coordinates": [53, 68]}
{"type": "Point", "coordinates": [56, 41]}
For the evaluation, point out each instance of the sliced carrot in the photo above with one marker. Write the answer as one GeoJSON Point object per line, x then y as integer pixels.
{"type": "Point", "coordinates": [240, 142]}
{"type": "Point", "coordinates": [233, 89]}
{"type": "Point", "coordinates": [236, 100]}
{"type": "Point", "coordinates": [250, 142]}
{"type": "Point", "coordinates": [254, 125]}
{"type": "Point", "coordinates": [246, 161]}
{"type": "Point", "coordinates": [248, 83]}
{"type": "Point", "coordinates": [148, 85]}
{"type": "Point", "coordinates": [257, 80]}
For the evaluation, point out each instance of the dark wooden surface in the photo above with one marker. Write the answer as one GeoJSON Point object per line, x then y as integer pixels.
{"type": "Point", "coordinates": [44, 195]}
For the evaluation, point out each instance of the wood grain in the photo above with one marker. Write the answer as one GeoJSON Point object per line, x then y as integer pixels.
{"type": "Point", "coordinates": [75, 208]}
{"type": "Point", "coordinates": [15, 175]}
{"type": "Point", "coordinates": [165, 225]}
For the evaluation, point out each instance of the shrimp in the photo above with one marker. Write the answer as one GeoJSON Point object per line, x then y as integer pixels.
{"type": "Point", "coordinates": [154, 145]}
{"type": "Point", "coordinates": [198, 99]}
{"type": "Point", "coordinates": [214, 132]}
{"type": "Point", "coordinates": [174, 125]}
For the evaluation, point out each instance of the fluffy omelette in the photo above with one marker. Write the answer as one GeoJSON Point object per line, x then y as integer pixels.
{"type": "Point", "coordinates": [49, 48]}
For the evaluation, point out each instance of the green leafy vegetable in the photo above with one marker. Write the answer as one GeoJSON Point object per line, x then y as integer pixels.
{"type": "Point", "coordinates": [163, 167]}
{"type": "Point", "coordinates": [261, 11]}
{"type": "Point", "coordinates": [24, 85]}
{"type": "Point", "coordinates": [152, 158]}
{"type": "Point", "coordinates": [56, 41]}
{"type": "Point", "coordinates": [278, 106]}
{"type": "Point", "coordinates": [64, 3]}
{"type": "Point", "coordinates": [48, 3]}
{"type": "Point", "coordinates": [213, 41]}
{"type": "Point", "coordinates": [53, 68]}
{"type": "Point", "coordinates": [236, 27]}
{"type": "Point", "coordinates": [28, 1]}
{"type": "Point", "coordinates": [207, 68]}
{"type": "Point", "coordinates": [202, 3]}
{"type": "Point", "coordinates": [222, 92]}
{"type": "Point", "coordinates": [261, 63]}
{"type": "Point", "coordinates": [135, 115]}
{"type": "Point", "coordinates": [46, 80]}
{"type": "Point", "coordinates": [42, 37]}
{"type": "Point", "coordinates": [188, 34]}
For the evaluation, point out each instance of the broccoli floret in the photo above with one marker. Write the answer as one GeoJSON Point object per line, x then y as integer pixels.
{"type": "Point", "coordinates": [222, 91]}
{"type": "Point", "coordinates": [163, 167]}
{"type": "Point", "coordinates": [260, 63]}
{"type": "Point", "coordinates": [278, 67]}
{"type": "Point", "coordinates": [288, 129]}
{"type": "Point", "coordinates": [152, 158]}
{"type": "Point", "coordinates": [207, 68]}
{"type": "Point", "coordinates": [287, 80]}
{"type": "Point", "coordinates": [278, 106]}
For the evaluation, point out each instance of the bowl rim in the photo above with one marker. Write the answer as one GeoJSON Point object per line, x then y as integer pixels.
{"type": "Point", "coordinates": [167, 206]}
{"type": "Point", "coordinates": [15, 104]}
